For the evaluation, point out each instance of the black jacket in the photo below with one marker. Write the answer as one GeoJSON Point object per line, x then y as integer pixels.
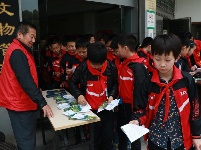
{"type": "Point", "coordinates": [78, 81]}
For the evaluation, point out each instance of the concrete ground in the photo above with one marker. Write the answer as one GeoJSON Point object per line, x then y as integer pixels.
{"type": "Point", "coordinates": [6, 128]}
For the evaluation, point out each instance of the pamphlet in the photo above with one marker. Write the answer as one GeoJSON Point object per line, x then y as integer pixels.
{"type": "Point", "coordinates": [133, 131]}
{"type": "Point", "coordinates": [198, 70]}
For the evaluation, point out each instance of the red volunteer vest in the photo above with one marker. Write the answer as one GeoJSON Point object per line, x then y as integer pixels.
{"type": "Point", "coordinates": [13, 96]}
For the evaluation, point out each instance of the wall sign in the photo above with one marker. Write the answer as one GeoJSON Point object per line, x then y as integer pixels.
{"type": "Point", "coordinates": [9, 14]}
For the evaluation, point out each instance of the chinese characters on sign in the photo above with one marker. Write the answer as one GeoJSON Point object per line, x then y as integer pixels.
{"type": "Point", "coordinates": [9, 14]}
{"type": "Point", "coordinates": [151, 16]}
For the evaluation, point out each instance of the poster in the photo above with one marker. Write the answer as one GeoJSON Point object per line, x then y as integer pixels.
{"type": "Point", "coordinates": [151, 19]}
{"type": "Point", "coordinates": [9, 14]}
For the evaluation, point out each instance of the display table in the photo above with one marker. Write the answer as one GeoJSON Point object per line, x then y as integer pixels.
{"type": "Point", "coordinates": [61, 122]}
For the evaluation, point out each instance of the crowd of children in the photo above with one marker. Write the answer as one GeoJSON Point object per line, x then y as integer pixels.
{"type": "Point", "coordinates": [154, 82]}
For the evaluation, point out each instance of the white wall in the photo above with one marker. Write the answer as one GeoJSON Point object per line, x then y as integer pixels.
{"type": "Point", "coordinates": [188, 8]}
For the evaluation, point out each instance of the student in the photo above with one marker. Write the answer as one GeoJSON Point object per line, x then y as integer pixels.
{"type": "Point", "coordinates": [131, 73]}
{"type": "Point", "coordinates": [81, 48]}
{"type": "Point", "coordinates": [190, 58]}
{"type": "Point", "coordinates": [144, 51]}
{"type": "Point", "coordinates": [167, 103]}
{"type": "Point", "coordinates": [114, 46]}
{"type": "Point", "coordinates": [91, 38]}
{"type": "Point", "coordinates": [110, 53]}
{"type": "Point", "coordinates": [190, 54]}
{"type": "Point", "coordinates": [197, 51]}
{"type": "Point", "coordinates": [69, 64]}
{"type": "Point", "coordinates": [94, 82]}
{"type": "Point", "coordinates": [66, 69]}
{"type": "Point", "coordinates": [54, 62]}
{"type": "Point", "coordinates": [182, 62]}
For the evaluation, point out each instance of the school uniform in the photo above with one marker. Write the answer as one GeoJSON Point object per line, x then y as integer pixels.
{"type": "Point", "coordinates": [183, 64]}
{"type": "Point", "coordinates": [96, 86]}
{"type": "Point", "coordinates": [196, 53]}
{"type": "Point", "coordinates": [148, 59]}
{"type": "Point", "coordinates": [131, 73]}
{"type": "Point", "coordinates": [69, 61]}
{"type": "Point", "coordinates": [54, 66]}
{"type": "Point", "coordinates": [170, 110]}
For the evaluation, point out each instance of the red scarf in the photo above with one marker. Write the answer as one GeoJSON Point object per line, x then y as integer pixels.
{"type": "Point", "coordinates": [99, 73]}
{"type": "Point", "coordinates": [146, 53]}
{"type": "Point", "coordinates": [79, 58]}
{"type": "Point", "coordinates": [126, 61]}
{"type": "Point", "coordinates": [166, 91]}
{"type": "Point", "coordinates": [72, 54]}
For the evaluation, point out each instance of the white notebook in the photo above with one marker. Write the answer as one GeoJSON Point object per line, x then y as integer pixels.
{"type": "Point", "coordinates": [133, 131]}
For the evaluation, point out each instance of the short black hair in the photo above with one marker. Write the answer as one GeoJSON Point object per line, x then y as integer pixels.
{"type": "Point", "coordinates": [192, 44]}
{"type": "Point", "coordinates": [114, 43]}
{"type": "Point", "coordinates": [54, 40]}
{"type": "Point", "coordinates": [128, 40]}
{"type": "Point", "coordinates": [185, 41]}
{"type": "Point", "coordinates": [188, 35]}
{"type": "Point", "coordinates": [23, 27]}
{"type": "Point", "coordinates": [97, 53]}
{"type": "Point", "coordinates": [82, 42]}
{"type": "Point", "coordinates": [164, 44]}
{"type": "Point", "coordinates": [146, 42]}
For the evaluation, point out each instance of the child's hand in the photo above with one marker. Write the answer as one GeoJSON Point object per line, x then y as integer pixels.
{"type": "Point", "coordinates": [136, 122]}
{"type": "Point", "coordinates": [81, 100]}
{"type": "Point", "coordinates": [63, 84]}
{"type": "Point", "coordinates": [197, 144]}
{"type": "Point", "coordinates": [193, 68]}
{"type": "Point", "coordinates": [110, 99]}
{"type": "Point", "coordinates": [192, 73]}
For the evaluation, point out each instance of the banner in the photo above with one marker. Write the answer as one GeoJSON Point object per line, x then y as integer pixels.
{"type": "Point", "coordinates": [9, 14]}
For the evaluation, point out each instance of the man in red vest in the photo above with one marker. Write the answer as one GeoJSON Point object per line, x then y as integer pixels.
{"type": "Point", "coordinates": [19, 90]}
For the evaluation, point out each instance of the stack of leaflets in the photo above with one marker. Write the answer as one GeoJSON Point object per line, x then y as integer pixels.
{"type": "Point", "coordinates": [53, 93]}
{"type": "Point", "coordinates": [109, 106]}
{"type": "Point", "coordinates": [77, 112]}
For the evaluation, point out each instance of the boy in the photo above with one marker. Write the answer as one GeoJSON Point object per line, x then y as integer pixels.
{"type": "Point", "coordinates": [145, 52]}
{"type": "Point", "coordinates": [54, 62]}
{"type": "Point", "coordinates": [69, 65]}
{"type": "Point", "coordinates": [168, 101]}
{"type": "Point", "coordinates": [66, 69]}
{"type": "Point", "coordinates": [182, 62]}
{"type": "Point", "coordinates": [95, 81]}
{"type": "Point", "coordinates": [131, 73]}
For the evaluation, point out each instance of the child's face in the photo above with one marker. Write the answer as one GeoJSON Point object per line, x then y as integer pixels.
{"type": "Point", "coordinates": [71, 47]}
{"type": "Point", "coordinates": [56, 48]}
{"type": "Point", "coordinates": [108, 46]}
{"type": "Point", "coordinates": [82, 52]}
{"type": "Point", "coordinates": [96, 66]}
{"type": "Point", "coordinates": [164, 63]}
{"type": "Point", "coordinates": [92, 39]}
{"type": "Point", "coordinates": [184, 50]}
{"type": "Point", "coordinates": [190, 52]}
{"type": "Point", "coordinates": [116, 53]}
{"type": "Point", "coordinates": [122, 51]}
